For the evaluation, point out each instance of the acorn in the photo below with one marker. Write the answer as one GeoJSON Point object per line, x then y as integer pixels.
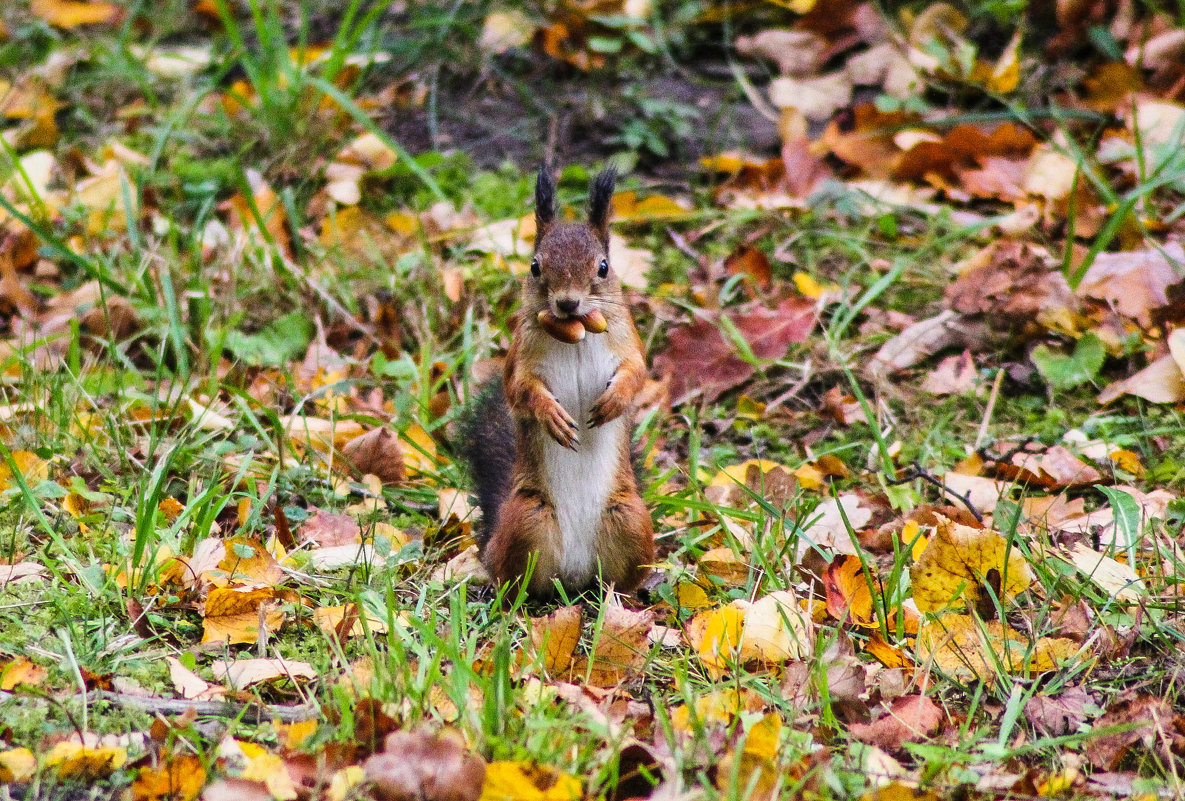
{"type": "Point", "coordinates": [570, 330]}
{"type": "Point", "coordinates": [594, 322]}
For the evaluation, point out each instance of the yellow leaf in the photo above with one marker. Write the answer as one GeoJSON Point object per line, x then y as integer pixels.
{"type": "Point", "coordinates": [797, 6]}
{"type": "Point", "coordinates": [344, 781]}
{"type": "Point", "coordinates": [735, 474]}
{"type": "Point", "coordinates": [419, 451]}
{"type": "Point", "coordinates": [74, 13]}
{"type": "Point", "coordinates": [180, 778]}
{"type": "Point", "coordinates": [959, 560]}
{"type": "Point", "coordinates": [516, 781]}
{"type": "Point", "coordinates": [691, 596]}
{"type": "Point", "coordinates": [20, 671]}
{"type": "Point", "coordinates": [248, 561]}
{"type": "Point", "coordinates": [234, 615]}
{"type": "Point", "coordinates": [74, 760]}
{"type": "Point", "coordinates": [813, 289]}
{"type": "Point", "coordinates": [32, 468]}
{"type": "Point", "coordinates": [775, 629]}
{"type": "Point", "coordinates": [17, 765]}
{"type": "Point", "coordinates": [1006, 74]}
{"type": "Point", "coordinates": [1128, 461]}
{"type": "Point", "coordinates": [269, 769]}
{"type": "Point", "coordinates": [965, 647]}
{"type": "Point", "coordinates": [716, 634]}
{"type": "Point", "coordinates": [810, 477]}
{"type": "Point", "coordinates": [296, 734]}
{"type": "Point", "coordinates": [750, 409]}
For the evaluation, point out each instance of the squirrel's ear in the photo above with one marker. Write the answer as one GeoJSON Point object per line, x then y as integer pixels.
{"type": "Point", "coordinates": [544, 201]}
{"type": "Point", "coordinates": [600, 196]}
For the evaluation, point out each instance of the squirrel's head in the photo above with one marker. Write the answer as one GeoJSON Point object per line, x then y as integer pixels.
{"type": "Point", "coordinates": [570, 270]}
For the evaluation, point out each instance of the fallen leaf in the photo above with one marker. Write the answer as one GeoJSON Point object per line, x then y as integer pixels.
{"type": "Point", "coordinates": [189, 684]}
{"type": "Point", "coordinates": [516, 781]}
{"type": "Point", "coordinates": [1119, 580]}
{"type": "Point", "coordinates": [959, 560]}
{"type": "Point", "coordinates": [1058, 715]}
{"type": "Point", "coordinates": [180, 777]}
{"type": "Point", "coordinates": [76, 13]}
{"type": "Point", "coordinates": [620, 651]}
{"type": "Point", "coordinates": [17, 765]}
{"type": "Point", "coordinates": [776, 629]}
{"type": "Point", "coordinates": [966, 647]}
{"type": "Point", "coordinates": [242, 673]}
{"type": "Point", "coordinates": [702, 362]}
{"type": "Point", "coordinates": [555, 637]}
{"type": "Point", "coordinates": [954, 375]}
{"type": "Point", "coordinates": [234, 615]}
{"type": "Point", "coordinates": [377, 452]}
{"type": "Point", "coordinates": [421, 766]}
{"type": "Point", "coordinates": [73, 760]}
{"type": "Point", "coordinates": [911, 719]}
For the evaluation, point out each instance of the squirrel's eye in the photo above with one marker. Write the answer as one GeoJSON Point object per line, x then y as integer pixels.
{"type": "Point", "coordinates": [603, 268]}
{"type": "Point", "coordinates": [535, 267]}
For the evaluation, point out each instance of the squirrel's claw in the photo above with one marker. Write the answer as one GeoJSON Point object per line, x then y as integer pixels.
{"type": "Point", "coordinates": [608, 407]}
{"type": "Point", "coordinates": [562, 428]}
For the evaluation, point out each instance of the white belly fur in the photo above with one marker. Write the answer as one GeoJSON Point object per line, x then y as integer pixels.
{"type": "Point", "coordinates": [580, 481]}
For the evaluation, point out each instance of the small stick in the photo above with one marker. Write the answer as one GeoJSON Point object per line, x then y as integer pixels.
{"type": "Point", "coordinates": [256, 713]}
{"type": "Point", "coordinates": [991, 407]}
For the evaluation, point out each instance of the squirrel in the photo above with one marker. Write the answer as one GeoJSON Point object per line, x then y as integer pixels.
{"type": "Point", "coordinates": [549, 442]}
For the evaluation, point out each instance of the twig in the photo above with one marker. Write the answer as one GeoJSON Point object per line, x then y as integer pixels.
{"type": "Point", "coordinates": [255, 713]}
{"type": "Point", "coordinates": [991, 407]}
{"type": "Point", "coordinates": [930, 478]}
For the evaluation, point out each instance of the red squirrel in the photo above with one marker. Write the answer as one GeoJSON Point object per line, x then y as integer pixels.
{"type": "Point", "coordinates": [548, 445]}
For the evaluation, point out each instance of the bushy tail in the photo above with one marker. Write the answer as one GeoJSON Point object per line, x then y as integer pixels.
{"type": "Point", "coordinates": [487, 447]}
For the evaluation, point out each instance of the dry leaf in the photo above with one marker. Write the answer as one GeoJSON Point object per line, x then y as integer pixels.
{"type": "Point", "coordinates": [555, 637]}
{"type": "Point", "coordinates": [377, 452]}
{"type": "Point", "coordinates": [957, 563]}
{"type": "Point", "coordinates": [242, 673]}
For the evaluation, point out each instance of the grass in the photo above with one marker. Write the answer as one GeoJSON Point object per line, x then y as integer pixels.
{"type": "Point", "coordinates": [187, 405]}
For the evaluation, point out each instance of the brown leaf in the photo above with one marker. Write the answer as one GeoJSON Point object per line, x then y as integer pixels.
{"type": "Point", "coordinates": [1147, 718]}
{"type": "Point", "coordinates": [936, 162]}
{"type": "Point", "coordinates": [752, 262]}
{"type": "Point", "coordinates": [377, 452]}
{"type": "Point", "coordinates": [621, 649]}
{"type": "Point", "coordinates": [328, 529]}
{"type": "Point", "coordinates": [1058, 715]}
{"type": "Point", "coordinates": [1012, 282]}
{"type": "Point", "coordinates": [420, 766]}
{"type": "Point", "coordinates": [863, 137]}
{"type": "Point", "coordinates": [555, 637]}
{"type": "Point", "coordinates": [911, 719]}
{"type": "Point", "coordinates": [954, 375]}
{"type": "Point", "coordinates": [1134, 283]}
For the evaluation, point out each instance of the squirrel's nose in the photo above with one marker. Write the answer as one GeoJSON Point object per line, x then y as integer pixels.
{"type": "Point", "coordinates": [567, 305]}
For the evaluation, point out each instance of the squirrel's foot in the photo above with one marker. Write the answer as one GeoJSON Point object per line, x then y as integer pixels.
{"type": "Point", "coordinates": [560, 425]}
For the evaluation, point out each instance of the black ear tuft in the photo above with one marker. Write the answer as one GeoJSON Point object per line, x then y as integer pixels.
{"type": "Point", "coordinates": [600, 195]}
{"type": "Point", "coordinates": [544, 200]}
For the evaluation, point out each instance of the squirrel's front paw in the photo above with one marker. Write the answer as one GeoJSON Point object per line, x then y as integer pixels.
{"type": "Point", "coordinates": [611, 405]}
{"type": "Point", "coordinates": [560, 425]}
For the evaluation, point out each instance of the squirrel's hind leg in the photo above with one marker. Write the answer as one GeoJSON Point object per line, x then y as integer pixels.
{"type": "Point", "coordinates": [526, 525]}
{"type": "Point", "coordinates": [625, 542]}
